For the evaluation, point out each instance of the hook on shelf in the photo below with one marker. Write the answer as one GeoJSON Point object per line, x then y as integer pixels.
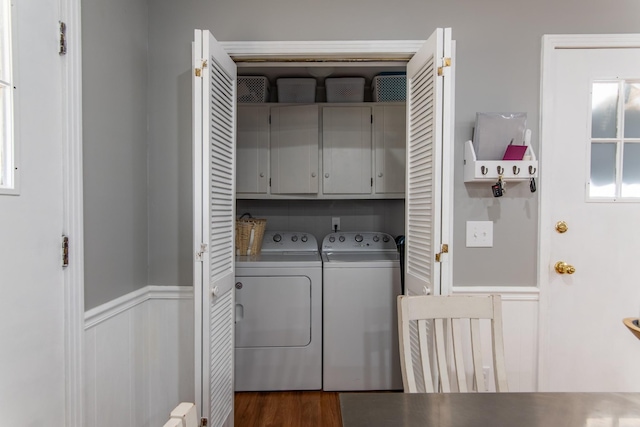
{"type": "Point", "coordinates": [516, 170]}
{"type": "Point", "coordinates": [532, 170]}
{"type": "Point", "coordinates": [484, 170]}
{"type": "Point", "coordinates": [500, 170]}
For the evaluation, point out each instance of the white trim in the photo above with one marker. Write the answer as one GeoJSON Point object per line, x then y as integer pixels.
{"type": "Point", "coordinates": [588, 41]}
{"type": "Point", "coordinates": [551, 43]}
{"type": "Point", "coordinates": [71, 86]}
{"type": "Point", "coordinates": [113, 308]}
{"type": "Point", "coordinates": [508, 293]}
{"type": "Point", "coordinates": [360, 49]}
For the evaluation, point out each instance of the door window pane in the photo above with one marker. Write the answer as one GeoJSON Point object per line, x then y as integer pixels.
{"type": "Point", "coordinates": [632, 110]}
{"type": "Point", "coordinates": [603, 170]}
{"type": "Point", "coordinates": [631, 170]}
{"type": "Point", "coordinates": [604, 110]}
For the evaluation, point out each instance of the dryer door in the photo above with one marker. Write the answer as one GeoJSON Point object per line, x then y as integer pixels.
{"type": "Point", "coordinates": [273, 311]}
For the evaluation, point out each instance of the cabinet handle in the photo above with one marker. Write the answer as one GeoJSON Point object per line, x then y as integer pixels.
{"type": "Point", "coordinates": [380, 175]}
{"type": "Point", "coordinates": [313, 174]}
{"type": "Point", "coordinates": [261, 174]}
{"type": "Point", "coordinates": [326, 175]}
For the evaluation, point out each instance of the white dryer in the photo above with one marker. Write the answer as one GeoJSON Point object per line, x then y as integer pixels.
{"type": "Point", "coordinates": [278, 338]}
{"type": "Point", "coordinates": [361, 283]}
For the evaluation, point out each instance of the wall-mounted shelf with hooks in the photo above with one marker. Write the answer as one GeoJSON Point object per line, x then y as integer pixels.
{"type": "Point", "coordinates": [489, 170]}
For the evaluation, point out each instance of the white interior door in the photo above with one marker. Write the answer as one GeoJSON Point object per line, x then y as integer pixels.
{"type": "Point", "coordinates": [429, 144]}
{"type": "Point", "coordinates": [584, 345]}
{"type": "Point", "coordinates": [214, 109]}
{"type": "Point", "coordinates": [32, 349]}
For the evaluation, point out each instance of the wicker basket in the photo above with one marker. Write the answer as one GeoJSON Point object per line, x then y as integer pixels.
{"type": "Point", "coordinates": [249, 234]}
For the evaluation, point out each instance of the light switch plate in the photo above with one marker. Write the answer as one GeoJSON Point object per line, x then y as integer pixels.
{"type": "Point", "coordinates": [479, 234]}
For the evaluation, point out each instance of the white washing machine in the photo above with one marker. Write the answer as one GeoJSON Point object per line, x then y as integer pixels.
{"type": "Point", "coordinates": [361, 282]}
{"type": "Point", "coordinates": [278, 338]}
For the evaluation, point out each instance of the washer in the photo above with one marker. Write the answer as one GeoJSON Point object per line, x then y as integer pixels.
{"type": "Point", "coordinates": [278, 339]}
{"type": "Point", "coordinates": [361, 282]}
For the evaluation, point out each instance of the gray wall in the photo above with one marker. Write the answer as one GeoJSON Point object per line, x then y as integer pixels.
{"type": "Point", "coordinates": [498, 69]}
{"type": "Point", "coordinates": [115, 42]}
{"type": "Point", "coordinates": [314, 216]}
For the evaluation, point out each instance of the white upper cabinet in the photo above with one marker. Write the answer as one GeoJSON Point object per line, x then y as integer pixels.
{"type": "Point", "coordinates": [328, 151]}
{"type": "Point", "coordinates": [294, 149]}
{"type": "Point", "coordinates": [252, 149]}
{"type": "Point", "coordinates": [389, 144]}
{"type": "Point", "coordinates": [346, 150]}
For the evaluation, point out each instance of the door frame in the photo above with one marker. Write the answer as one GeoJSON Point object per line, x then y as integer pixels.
{"type": "Point", "coordinates": [551, 44]}
{"type": "Point", "coordinates": [72, 202]}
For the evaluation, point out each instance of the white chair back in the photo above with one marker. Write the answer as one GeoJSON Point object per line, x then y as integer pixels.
{"type": "Point", "coordinates": [436, 322]}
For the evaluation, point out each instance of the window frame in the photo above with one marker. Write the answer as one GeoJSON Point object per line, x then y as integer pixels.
{"type": "Point", "coordinates": [9, 136]}
{"type": "Point", "coordinates": [619, 140]}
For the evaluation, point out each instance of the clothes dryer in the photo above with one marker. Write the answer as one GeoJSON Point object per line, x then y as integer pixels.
{"type": "Point", "coordinates": [361, 282]}
{"type": "Point", "coordinates": [278, 338]}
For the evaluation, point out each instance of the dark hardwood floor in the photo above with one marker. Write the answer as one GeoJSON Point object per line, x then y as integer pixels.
{"type": "Point", "coordinates": [287, 409]}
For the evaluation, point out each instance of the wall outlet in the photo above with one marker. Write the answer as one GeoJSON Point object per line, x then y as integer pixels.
{"type": "Point", "coordinates": [486, 373]}
{"type": "Point", "coordinates": [335, 224]}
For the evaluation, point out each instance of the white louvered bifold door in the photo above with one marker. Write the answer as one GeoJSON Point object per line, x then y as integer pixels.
{"type": "Point", "coordinates": [429, 191]}
{"type": "Point", "coordinates": [429, 95]}
{"type": "Point", "coordinates": [214, 123]}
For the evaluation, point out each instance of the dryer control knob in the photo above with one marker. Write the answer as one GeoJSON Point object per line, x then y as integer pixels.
{"type": "Point", "coordinates": [304, 238]}
{"type": "Point", "coordinates": [294, 238]}
{"type": "Point", "coordinates": [277, 238]}
{"type": "Point", "coordinates": [385, 239]}
{"type": "Point", "coordinates": [341, 238]}
{"type": "Point", "coordinates": [332, 239]}
{"type": "Point", "coordinates": [358, 238]}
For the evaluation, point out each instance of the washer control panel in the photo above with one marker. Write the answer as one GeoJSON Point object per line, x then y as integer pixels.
{"type": "Point", "coordinates": [279, 241]}
{"type": "Point", "coordinates": [358, 241]}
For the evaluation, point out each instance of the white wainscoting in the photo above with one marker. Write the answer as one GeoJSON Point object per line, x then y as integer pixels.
{"type": "Point", "coordinates": [520, 329]}
{"type": "Point", "coordinates": [139, 357]}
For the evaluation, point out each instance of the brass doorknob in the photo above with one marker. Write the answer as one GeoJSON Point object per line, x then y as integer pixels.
{"type": "Point", "coordinates": [562, 268]}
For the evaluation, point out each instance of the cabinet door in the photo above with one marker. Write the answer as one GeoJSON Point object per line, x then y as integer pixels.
{"type": "Point", "coordinates": [252, 148]}
{"type": "Point", "coordinates": [389, 136]}
{"type": "Point", "coordinates": [294, 149]}
{"type": "Point", "coordinates": [346, 150]}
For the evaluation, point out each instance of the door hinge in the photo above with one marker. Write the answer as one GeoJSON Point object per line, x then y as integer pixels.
{"type": "Point", "coordinates": [269, 182]}
{"type": "Point", "coordinates": [65, 251]}
{"type": "Point", "coordinates": [372, 182]}
{"type": "Point", "coordinates": [446, 63]}
{"type": "Point", "coordinates": [443, 250]}
{"type": "Point", "coordinates": [199, 70]}
{"type": "Point", "coordinates": [63, 39]}
{"type": "Point", "coordinates": [203, 250]}
{"type": "Point", "coordinates": [204, 422]}
{"type": "Point", "coordinates": [372, 119]}
{"type": "Point", "coordinates": [269, 118]}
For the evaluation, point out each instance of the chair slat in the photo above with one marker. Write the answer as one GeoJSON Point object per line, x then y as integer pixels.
{"type": "Point", "coordinates": [458, 358]}
{"type": "Point", "coordinates": [441, 355]}
{"type": "Point", "coordinates": [476, 351]}
{"type": "Point", "coordinates": [424, 356]}
{"type": "Point", "coordinates": [500, 370]}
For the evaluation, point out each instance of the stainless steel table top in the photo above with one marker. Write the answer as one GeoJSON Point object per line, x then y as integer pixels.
{"type": "Point", "coordinates": [490, 409]}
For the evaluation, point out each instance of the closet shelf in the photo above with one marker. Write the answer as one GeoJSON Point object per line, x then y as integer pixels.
{"type": "Point", "coordinates": [488, 170]}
